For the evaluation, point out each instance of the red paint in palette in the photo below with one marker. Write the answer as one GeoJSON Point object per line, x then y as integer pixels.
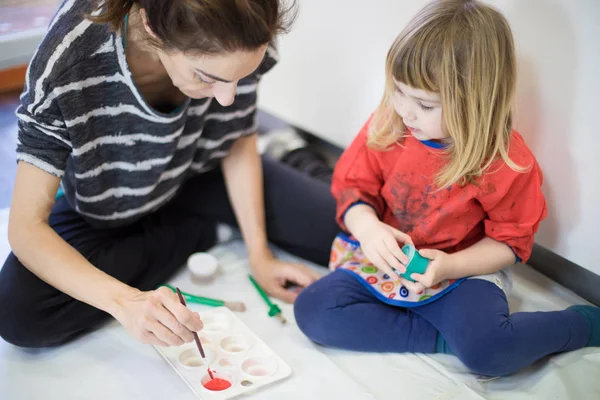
{"type": "Point", "coordinates": [217, 384]}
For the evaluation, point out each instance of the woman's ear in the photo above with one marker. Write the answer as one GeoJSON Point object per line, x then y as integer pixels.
{"type": "Point", "coordinates": [144, 18]}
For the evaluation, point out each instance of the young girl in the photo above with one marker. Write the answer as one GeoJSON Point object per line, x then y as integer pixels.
{"type": "Point", "coordinates": [439, 166]}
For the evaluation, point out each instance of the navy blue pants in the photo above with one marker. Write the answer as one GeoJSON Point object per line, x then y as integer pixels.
{"type": "Point", "coordinates": [474, 319]}
{"type": "Point", "coordinates": [300, 213]}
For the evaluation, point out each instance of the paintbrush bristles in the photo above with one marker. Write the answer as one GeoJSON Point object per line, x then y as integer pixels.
{"type": "Point", "coordinates": [281, 318]}
{"type": "Point", "coordinates": [235, 306]}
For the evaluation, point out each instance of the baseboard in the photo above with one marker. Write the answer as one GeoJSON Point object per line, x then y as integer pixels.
{"type": "Point", "coordinates": [570, 275]}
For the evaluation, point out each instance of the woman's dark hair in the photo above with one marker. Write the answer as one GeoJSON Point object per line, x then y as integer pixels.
{"type": "Point", "coordinates": [206, 26]}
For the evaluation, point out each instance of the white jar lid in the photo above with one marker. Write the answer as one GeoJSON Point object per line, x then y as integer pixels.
{"type": "Point", "coordinates": [202, 264]}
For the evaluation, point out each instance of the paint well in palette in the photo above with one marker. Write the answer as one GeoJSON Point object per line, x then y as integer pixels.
{"type": "Point", "coordinates": [259, 367]}
{"type": "Point", "coordinates": [233, 348]}
{"type": "Point", "coordinates": [258, 371]}
{"type": "Point", "coordinates": [235, 344]}
{"type": "Point", "coordinates": [217, 384]}
{"type": "Point", "coordinates": [218, 381]}
{"type": "Point", "coordinates": [191, 358]}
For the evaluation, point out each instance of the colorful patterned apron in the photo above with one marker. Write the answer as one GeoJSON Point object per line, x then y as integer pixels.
{"type": "Point", "coordinates": [347, 255]}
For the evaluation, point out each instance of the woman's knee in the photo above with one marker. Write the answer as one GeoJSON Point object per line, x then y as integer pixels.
{"type": "Point", "coordinates": [29, 328]}
{"type": "Point", "coordinates": [21, 321]}
{"type": "Point", "coordinates": [18, 325]}
{"type": "Point", "coordinates": [18, 330]}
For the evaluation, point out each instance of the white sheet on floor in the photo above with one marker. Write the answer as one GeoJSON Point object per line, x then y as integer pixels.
{"type": "Point", "coordinates": [108, 364]}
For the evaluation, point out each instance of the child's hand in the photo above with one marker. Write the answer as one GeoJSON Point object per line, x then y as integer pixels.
{"type": "Point", "coordinates": [438, 270]}
{"type": "Point", "coordinates": [379, 243]}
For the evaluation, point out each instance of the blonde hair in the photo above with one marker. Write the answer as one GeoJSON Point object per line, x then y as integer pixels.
{"type": "Point", "coordinates": [463, 50]}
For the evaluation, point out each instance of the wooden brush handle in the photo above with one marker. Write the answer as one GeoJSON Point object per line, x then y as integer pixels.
{"type": "Point", "coordinates": [196, 339]}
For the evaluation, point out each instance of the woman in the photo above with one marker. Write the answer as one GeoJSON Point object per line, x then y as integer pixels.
{"type": "Point", "coordinates": [133, 122]}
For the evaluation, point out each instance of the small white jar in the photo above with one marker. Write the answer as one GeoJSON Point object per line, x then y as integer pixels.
{"type": "Point", "coordinates": [203, 267]}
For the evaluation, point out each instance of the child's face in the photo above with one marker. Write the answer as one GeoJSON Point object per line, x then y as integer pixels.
{"type": "Point", "coordinates": [421, 112]}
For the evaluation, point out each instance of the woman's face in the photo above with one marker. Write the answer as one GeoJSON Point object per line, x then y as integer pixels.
{"type": "Point", "coordinates": [211, 75]}
{"type": "Point", "coordinates": [201, 76]}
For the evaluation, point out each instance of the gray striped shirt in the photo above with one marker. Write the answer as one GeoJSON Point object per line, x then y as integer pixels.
{"type": "Point", "coordinates": [83, 120]}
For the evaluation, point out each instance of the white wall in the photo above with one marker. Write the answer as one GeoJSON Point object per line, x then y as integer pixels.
{"type": "Point", "coordinates": [330, 78]}
{"type": "Point", "coordinates": [18, 48]}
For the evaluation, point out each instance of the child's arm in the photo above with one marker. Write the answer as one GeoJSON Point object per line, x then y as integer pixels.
{"type": "Point", "coordinates": [357, 179]}
{"type": "Point", "coordinates": [356, 186]}
{"type": "Point", "coordinates": [358, 217]}
{"type": "Point", "coordinates": [513, 201]}
{"type": "Point", "coordinates": [379, 241]}
{"type": "Point", "coordinates": [514, 207]}
{"type": "Point", "coordinates": [484, 257]}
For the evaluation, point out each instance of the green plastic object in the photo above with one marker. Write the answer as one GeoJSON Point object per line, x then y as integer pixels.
{"type": "Point", "coordinates": [191, 298]}
{"type": "Point", "coordinates": [273, 308]}
{"type": "Point", "coordinates": [416, 262]}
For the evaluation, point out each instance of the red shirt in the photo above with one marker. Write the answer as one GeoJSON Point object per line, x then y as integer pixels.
{"type": "Point", "coordinates": [504, 204]}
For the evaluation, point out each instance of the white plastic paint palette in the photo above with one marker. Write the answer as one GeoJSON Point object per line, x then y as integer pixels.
{"type": "Point", "coordinates": [233, 352]}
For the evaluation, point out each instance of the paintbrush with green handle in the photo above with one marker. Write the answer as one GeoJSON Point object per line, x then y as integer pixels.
{"type": "Point", "coordinates": [274, 310]}
{"type": "Point", "coordinates": [191, 298]}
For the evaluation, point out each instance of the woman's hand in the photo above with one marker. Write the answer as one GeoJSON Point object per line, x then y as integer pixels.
{"type": "Point", "coordinates": [274, 275]}
{"type": "Point", "coordinates": [157, 317]}
{"type": "Point", "coordinates": [379, 243]}
{"type": "Point", "coordinates": [439, 269]}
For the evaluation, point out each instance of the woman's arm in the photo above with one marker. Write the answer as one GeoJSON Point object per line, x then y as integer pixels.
{"type": "Point", "coordinates": [46, 254]}
{"type": "Point", "coordinates": [242, 169]}
{"type": "Point", "coordinates": [151, 317]}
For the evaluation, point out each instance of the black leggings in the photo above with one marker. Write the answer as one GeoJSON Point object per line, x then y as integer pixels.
{"type": "Point", "coordinates": [300, 213]}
